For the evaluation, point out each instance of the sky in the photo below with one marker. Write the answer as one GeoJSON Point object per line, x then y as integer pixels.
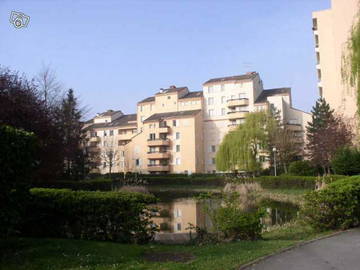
{"type": "Point", "coordinates": [116, 53]}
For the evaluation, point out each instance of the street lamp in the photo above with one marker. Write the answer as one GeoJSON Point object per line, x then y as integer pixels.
{"type": "Point", "coordinates": [274, 150]}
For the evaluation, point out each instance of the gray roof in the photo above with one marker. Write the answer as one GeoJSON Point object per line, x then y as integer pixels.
{"type": "Point", "coordinates": [124, 120]}
{"type": "Point", "coordinates": [159, 116]}
{"type": "Point", "coordinates": [108, 113]}
{"type": "Point", "coordinates": [171, 90]}
{"type": "Point", "coordinates": [193, 94]}
{"type": "Point", "coordinates": [246, 76]}
{"type": "Point", "coordinates": [149, 99]}
{"type": "Point", "coordinates": [272, 92]}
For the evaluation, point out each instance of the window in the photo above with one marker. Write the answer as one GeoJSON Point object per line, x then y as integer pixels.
{"type": "Point", "coordinates": [122, 153]}
{"type": "Point", "coordinates": [177, 148]}
{"type": "Point", "coordinates": [104, 165]}
{"type": "Point", "coordinates": [213, 161]}
{"type": "Point", "coordinates": [314, 24]}
{"type": "Point", "coordinates": [318, 58]}
{"type": "Point", "coordinates": [137, 162]}
{"type": "Point", "coordinates": [213, 148]}
{"type": "Point", "coordinates": [222, 87]}
{"type": "Point", "coordinates": [152, 162]}
{"type": "Point", "coordinates": [211, 89]}
{"type": "Point", "coordinates": [111, 133]}
{"type": "Point", "coordinates": [174, 123]}
{"type": "Point", "coordinates": [223, 100]}
{"type": "Point", "coordinates": [177, 161]}
{"type": "Point", "coordinates": [152, 136]}
{"type": "Point", "coordinates": [316, 41]}
{"type": "Point", "coordinates": [223, 111]}
{"type": "Point", "coordinates": [177, 212]}
{"type": "Point", "coordinates": [141, 108]}
{"type": "Point", "coordinates": [105, 134]}
{"type": "Point", "coordinates": [177, 135]}
{"type": "Point", "coordinates": [210, 101]}
{"type": "Point", "coordinates": [152, 149]}
{"type": "Point", "coordinates": [211, 112]}
{"type": "Point", "coordinates": [178, 226]}
{"type": "Point", "coordinates": [262, 159]}
{"type": "Point", "coordinates": [320, 91]}
{"type": "Point", "coordinates": [319, 74]}
{"type": "Point", "coordinates": [169, 97]}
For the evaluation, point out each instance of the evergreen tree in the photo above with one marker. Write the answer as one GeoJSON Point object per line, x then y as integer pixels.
{"type": "Point", "coordinates": [73, 136]}
{"type": "Point", "coordinates": [326, 133]}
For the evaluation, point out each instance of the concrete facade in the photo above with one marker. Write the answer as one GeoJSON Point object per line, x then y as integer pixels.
{"type": "Point", "coordinates": [332, 30]}
{"type": "Point", "coordinates": [179, 131]}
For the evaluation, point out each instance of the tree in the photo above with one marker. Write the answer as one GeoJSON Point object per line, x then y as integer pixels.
{"type": "Point", "coordinates": [73, 136]}
{"type": "Point", "coordinates": [22, 107]}
{"type": "Point", "coordinates": [110, 155]}
{"type": "Point", "coordinates": [50, 88]}
{"type": "Point", "coordinates": [326, 133]}
{"type": "Point", "coordinates": [346, 161]}
{"type": "Point", "coordinates": [240, 148]}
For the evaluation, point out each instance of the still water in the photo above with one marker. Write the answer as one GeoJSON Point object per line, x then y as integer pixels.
{"type": "Point", "coordinates": [175, 214]}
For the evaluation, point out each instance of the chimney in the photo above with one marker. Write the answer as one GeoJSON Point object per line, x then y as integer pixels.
{"type": "Point", "coordinates": [172, 86]}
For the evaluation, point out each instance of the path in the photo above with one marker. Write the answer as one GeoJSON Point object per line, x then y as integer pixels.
{"type": "Point", "coordinates": [339, 252]}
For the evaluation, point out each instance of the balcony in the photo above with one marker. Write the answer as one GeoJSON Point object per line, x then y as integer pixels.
{"type": "Point", "coordinates": [237, 102]}
{"type": "Point", "coordinates": [95, 139]}
{"type": "Point", "coordinates": [294, 127]}
{"type": "Point", "coordinates": [164, 129]}
{"type": "Point", "coordinates": [158, 142]}
{"type": "Point", "coordinates": [237, 114]}
{"type": "Point", "coordinates": [158, 168]}
{"type": "Point", "coordinates": [158, 155]}
{"type": "Point", "coordinates": [93, 149]}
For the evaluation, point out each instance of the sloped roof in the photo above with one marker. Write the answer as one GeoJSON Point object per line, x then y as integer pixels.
{"type": "Point", "coordinates": [149, 99]}
{"type": "Point", "coordinates": [193, 94]}
{"type": "Point", "coordinates": [272, 92]}
{"type": "Point", "coordinates": [124, 120]}
{"type": "Point", "coordinates": [159, 116]}
{"type": "Point", "coordinates": [108, 113]}
{"type": "Point", "coordinates": [171, 90]}
{"type": "Point", "coordinates": [246, 76]}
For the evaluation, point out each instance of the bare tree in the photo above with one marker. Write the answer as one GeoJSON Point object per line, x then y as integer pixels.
{"type": "Point", "coordinates": [110, 155]}
{"type": "Point", "coordinates": [49, 86]}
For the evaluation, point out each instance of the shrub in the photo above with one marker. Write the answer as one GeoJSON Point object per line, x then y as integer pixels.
{"type": "Point", "coordinates": [346, 161]}
{"type": "Point", "coordinates": [336, 206]}
{"type": "Point", "coordinates": [17, 159]}
{"type": "Point", "coordinates": [302, 167]}
{"type": "Point", "coordinates": [235, 223]}
{"type": "Point", "coordinates": [116, 216]}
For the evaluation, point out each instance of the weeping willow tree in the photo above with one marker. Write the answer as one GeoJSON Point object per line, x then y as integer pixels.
{"type": "Point", "coordinates": [351, 61]}
{"type": "Point", "coordinates": [240, 148]}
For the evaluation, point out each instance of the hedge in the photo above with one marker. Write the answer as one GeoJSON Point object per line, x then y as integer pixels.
{"type": "Point", "coordinates": [287, 181]}
{"type": "Point", "coordinates": [106, 184]}
{"type": "Point", "coordinates": [336, 206]}
{"type": "Point", "coordinates": [115, 216]}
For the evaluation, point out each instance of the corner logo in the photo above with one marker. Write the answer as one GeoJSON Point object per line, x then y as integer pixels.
{"type": "Point", "coordinates": [19, 19]}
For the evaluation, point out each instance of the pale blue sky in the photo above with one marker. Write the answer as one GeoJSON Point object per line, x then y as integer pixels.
{"type": "Point", "coordinates": [115, 53]}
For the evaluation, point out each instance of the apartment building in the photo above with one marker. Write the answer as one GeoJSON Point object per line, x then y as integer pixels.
{"type": "Point", "coordinates": [179, 131]}
{"type": "Point", "coordinates": [332, 29]}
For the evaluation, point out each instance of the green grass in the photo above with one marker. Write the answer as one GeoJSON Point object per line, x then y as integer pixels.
{"type": "Point", "coordinates": [29, 254]}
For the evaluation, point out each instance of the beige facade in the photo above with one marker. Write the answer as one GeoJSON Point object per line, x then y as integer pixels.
{"type": "Point", "coordinates": [332, 29]}
{"type": "Point", "coordinates": [178, 131]}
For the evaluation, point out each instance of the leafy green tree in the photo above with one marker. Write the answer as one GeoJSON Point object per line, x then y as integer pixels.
{"type": "Point", "coordinates": [302, 168]}
{"type": "Point", "coordinates": [326, 133]}
{"type": "Point", "coordinates": [70, 120]}
{"type": "Point", "coordinates": [346, 161]}
{"type": "Point", "coordinates": [240, 148]}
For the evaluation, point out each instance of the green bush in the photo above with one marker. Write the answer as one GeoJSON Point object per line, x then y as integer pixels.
{"type": "Point", "coordinates": [17, 159]}
{"type": "Point", "coordinates": [302, 167]}
{"type": "Point", "coordinates": [102, 184]}
{"type": "Point", "coordinates": [346, 161]}
{"type": "Point", "coordinates": [336, 206]}
{"type": "Point", "coordinates": [115, 216]}
{"type": "Point", "coordinates": [234, 223]}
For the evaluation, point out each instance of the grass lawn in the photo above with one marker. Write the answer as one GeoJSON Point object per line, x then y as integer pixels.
{"type": "Point", "coordinates": [28, 253]}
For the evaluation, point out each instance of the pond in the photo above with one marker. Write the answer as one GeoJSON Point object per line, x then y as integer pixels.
{"type": "Point", "coordinates": [177, 210]}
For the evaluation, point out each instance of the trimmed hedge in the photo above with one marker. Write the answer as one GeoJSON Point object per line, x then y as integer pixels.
{"type": "Point", "coordinates": [105, 184]}
{"type": "Point", "coordinates": [336, 206]}
{"type": "Point", "coordinates": [115, 216]}
{"type": "Point", "coordinates": [287, 181]}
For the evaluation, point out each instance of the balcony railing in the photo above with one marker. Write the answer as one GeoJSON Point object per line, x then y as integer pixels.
{"type": "Point", "coordinates": [94, 139]}
{"type": "Point", "coordinates": [158, 168]}
{"type": "Point", "coordinates": [158, 142]}
{"type": "Point", "coordinates": [237, 114]}
{"type": "Point", "coordinates": [164, 129]}
{"type": "Point", "coordinates": [158, 155]}
{"type": "Point", "coordinates": [238, 102]}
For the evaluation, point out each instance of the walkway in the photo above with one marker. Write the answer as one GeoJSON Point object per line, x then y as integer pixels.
{"type": "Point", "coordinates": [339, 252]}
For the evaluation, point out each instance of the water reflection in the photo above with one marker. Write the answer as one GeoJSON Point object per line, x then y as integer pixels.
{"type": "Point", "coordinates": [175, 215]}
